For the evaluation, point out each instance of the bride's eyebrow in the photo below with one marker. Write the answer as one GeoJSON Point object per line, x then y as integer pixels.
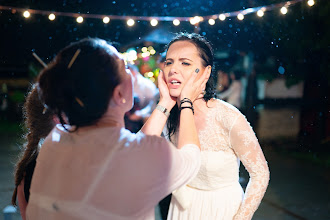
{"type": "Point", "coordinates": [183, 58]}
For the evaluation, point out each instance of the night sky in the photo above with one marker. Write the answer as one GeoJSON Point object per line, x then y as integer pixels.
{"type": "Point", "coordinates": [264, 36]}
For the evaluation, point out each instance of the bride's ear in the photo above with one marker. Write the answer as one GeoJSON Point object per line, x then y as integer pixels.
{"type": "Point", "coordinates": [209, 69]}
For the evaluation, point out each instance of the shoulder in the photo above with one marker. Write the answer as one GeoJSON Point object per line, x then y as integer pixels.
{"type": "Point", "coordinates": [225, 113]}
{"type": "Point", "coordinates": [225, 108]}
{"type": "Point", "coordinates": [142, 141]}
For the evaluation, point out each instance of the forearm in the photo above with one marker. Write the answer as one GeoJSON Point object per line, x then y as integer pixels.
{"type": "Point", "coordinates": [253, 195]}
{"type": "Point", "coordinates": [156, 122]}
{"type": "Point", "coordinates": [187, 129]}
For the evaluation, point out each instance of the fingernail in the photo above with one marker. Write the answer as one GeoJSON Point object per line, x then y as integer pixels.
{"type": "Point", "coordinates": [197, 70]}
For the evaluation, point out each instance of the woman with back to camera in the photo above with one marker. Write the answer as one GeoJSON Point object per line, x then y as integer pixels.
{"type": "Point", "coordinates": [92, 167]}
{"type": "Point", "coordinates": [226, 139]}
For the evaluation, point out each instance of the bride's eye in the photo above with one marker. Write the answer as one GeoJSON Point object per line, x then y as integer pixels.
{"type": "Point", "coordinates": [185, 63]}
{"type": "Point", "coordinates": [167, 63]}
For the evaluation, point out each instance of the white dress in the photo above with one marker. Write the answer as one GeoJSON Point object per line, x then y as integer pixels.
{"type": "Point", "coordinates": [106, 173]}
{"type": "Point", "coordinates": [215, 193]}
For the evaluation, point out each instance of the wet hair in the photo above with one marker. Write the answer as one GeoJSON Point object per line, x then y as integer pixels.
{"type": "Point", "coordinates": [161, 58]}
{"type": "Point", "coordinates": [206, 54]}
{"type": "Point", "coordinates": [38, 126]}
{"type": "Point", "coordinates": [81, 92]}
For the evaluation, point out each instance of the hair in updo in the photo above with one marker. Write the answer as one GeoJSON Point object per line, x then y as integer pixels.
{"type": "Point", "coordinates": [82, 92]}
{"type": "Point", "coordinates": [206, 54]}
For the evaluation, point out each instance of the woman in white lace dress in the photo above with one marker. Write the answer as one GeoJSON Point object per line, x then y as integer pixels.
{"type": "Point", "coordinates": [226, 139]}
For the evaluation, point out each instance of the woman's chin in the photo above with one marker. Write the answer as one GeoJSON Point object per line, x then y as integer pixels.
{"type": "Point", "coordinates": [174, 93]}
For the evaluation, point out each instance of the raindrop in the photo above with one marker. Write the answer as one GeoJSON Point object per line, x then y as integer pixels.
{"type": "Point", "coordinates": [220, 31]}
{"type": "Point", "coordinates": [272, 42]}
{"type": "Point", "coordinates": [230, 25]}
{"type": "Point", "coordinates": [238, 29]}
{"type": "Point", "coordinates": [281, 70]}
{"type": "Point", "coordinates": [229, 45]}
{"type": "Point", "coordinates": [204, 33]}
{"type": "Point", "coordinates": [50, 38]}
{"type": "Point", "coordinates": [132, 5]}
{"type": "Point", "coordinates": [114, 2]}
{"type": "Point", "coordinates": [276, 45]}
{"type": "Point", "coordinates": [165, 5]}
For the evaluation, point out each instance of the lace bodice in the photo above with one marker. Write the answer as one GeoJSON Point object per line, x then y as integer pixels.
{"type": "Point", "coordinates": [227, 139]}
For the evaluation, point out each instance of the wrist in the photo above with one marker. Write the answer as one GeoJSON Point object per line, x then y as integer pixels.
{"type": "Point", "coordinates": [167, 104]}
{"type": "Point", "coordinates": [163, 110]}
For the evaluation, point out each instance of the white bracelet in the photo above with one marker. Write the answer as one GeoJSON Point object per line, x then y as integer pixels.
{"type": "Point", "coordinates": [163, 109]}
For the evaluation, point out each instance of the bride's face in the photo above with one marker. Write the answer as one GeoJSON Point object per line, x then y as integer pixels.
{"type": "Point", "coordinates": [182, 59]}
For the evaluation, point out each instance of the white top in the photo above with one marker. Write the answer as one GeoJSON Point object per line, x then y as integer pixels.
{"type": "Point", "coordinates": [106, 173]}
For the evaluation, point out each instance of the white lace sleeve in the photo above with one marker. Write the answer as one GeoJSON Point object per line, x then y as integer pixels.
{"type": "Point", "coordinates": [246, 146]}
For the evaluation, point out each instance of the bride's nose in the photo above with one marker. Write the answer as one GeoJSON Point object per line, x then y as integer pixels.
{"type": "Point", "coordinates": [173, 71]}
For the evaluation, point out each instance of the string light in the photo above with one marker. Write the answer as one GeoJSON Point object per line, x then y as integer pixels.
{"type": "Point", "coordinates": [211, 21]}
{"type": "Point", "coordinates": [80, 19]}
{"type": "Point", "coordinates": [311, 2]}
{"type": "Point", "coordinates": [26, 14]}
{"type": "Point", "coordinates": [176, 22]}
{"type": "Point", "coordinates": [195, 20]}
{"type": "Point", "coordinates": [240, 16]}
{"type": "Point", "coordinates": [130, 22]}
{"type": "Point", "coordinates": [51, 17]}
{"type": "Point", "coordinates": [106, 20]}
{"type": "Point", "coordinates": [284, 10]}
{"type": "Point", "coordinates": [283, 6]}
{"type": "Point", "coordinates": [153, 22]}
{"type": "Point", "coordinates": [222, 17]}
{"type": "Point", "coordinates": [260, 13]}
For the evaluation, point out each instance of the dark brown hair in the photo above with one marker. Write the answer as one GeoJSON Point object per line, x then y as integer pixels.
{"type": "Point", "coordinates": [38, 126]}
{"type": "Point", "coordinates": [81, 92]}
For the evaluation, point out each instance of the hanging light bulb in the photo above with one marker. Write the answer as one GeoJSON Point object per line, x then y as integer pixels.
{"type": "Point", "coordinates": [222, 17]}
{"type": "Point", "coordinates": [176, 22]}
{"type": "Point", "coordinates": [211, 21]}
{"type": "Point", "coordinates": [284, 10]}
{"type": "Point", "coordinates": [240, 16]}
{"type": "Point", "coordinates": [51, 17]}
{"type": "Point", "coordinates": [80, 19]}
{"type": "Point", "coordinates": [153, 22]}
{"type": "Point", "coordinates": [106, 20]}
{"type": "Point", "coordinates": [130, 22]}
{"type": "Point", "coordinates": [260, 13]}
{"type": "Point", "coordinates": [26, 14]}
{"type": "Point", "coordinates": [311, 2]}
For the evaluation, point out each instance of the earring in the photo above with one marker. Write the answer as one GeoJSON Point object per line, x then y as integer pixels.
{"type": "Point", "coordinates": [124, 101]}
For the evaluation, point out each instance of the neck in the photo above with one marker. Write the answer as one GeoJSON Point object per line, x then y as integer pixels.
{"type": "Point", "coordinates": [112, 118]}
